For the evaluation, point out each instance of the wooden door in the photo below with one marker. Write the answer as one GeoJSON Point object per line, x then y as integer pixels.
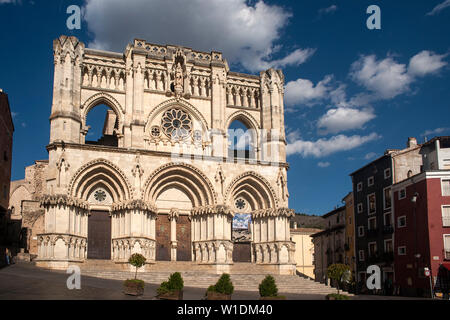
{"type": "Point", "coordinates": [99, 235]}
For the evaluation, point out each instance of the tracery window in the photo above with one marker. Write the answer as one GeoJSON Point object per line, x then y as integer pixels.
{"type": "Point", "coordinates": [176, 124]}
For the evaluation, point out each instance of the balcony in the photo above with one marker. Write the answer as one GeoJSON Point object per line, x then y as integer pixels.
{"type": "Point", "coordinates": [388, 229]}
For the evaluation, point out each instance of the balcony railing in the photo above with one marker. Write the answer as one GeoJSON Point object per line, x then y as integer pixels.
{"type": "Point", "coordinates": [388, 229]}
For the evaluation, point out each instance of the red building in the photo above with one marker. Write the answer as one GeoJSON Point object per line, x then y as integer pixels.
{"type": "Point", "coordinates": [422, 228]}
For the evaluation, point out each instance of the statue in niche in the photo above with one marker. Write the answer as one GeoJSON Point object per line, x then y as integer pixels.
{"type": "Point", "coordinates": [178, 80]}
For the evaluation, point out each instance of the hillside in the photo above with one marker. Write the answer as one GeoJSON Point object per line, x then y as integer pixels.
{"type": "Point", "coordinates": [308, 221]}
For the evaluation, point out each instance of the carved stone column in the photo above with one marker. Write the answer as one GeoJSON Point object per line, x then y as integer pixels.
{"type": "Point", "coordinates": [173, 217]}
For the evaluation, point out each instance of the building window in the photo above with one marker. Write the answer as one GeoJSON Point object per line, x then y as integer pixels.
{"type": "Point", "coordinates": [371, 203]}
{"type": "Point", "coordinates": [361, 231]}
{"type": "Point", "coordinates": [388, 247]}
{"type": "Point", "coordinates": [359, 186]}
{"type": "Point", "coordinates": [402, 251]}
{"type": "Point", "coordinates": [361, 255]}
{"type": "Point", "coordinates": [370, 181]}
{"type": "Point", "coordinates": [447, 246]}
{"type": "Point", "coordinates": [446, 216]}
{"type": "Point", "coordinates": [372, 249]}
{"type": "Point", "coordinates": [360, 207]}
{"type": "Point", "coordinates": [5, 156]}
{"type": "Point", "coordinates": [445, 187]}
{"type": "Point", "coordinates": [402, 194]}
{"type": "Point", "coordinates": [401, 222]}
{"type": "Point", "coordinates": [387, 173]}
{"type": "Point", "coordinates": [372, 223]}
{"type": "Point", "coordinates": [387, 198]}
{"type": "Point", "coordinates": [388, 219]}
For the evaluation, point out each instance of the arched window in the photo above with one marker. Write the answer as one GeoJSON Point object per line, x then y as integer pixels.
{"type": "Point", "coordinates": [241, 141]}
{"type": "Point", "coordinates": [410, 173]}
{"type": "Point", "coordinates": [103, 125]}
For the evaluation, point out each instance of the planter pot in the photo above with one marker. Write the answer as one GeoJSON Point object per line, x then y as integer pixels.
{"type": "Point", "coordinates": [133, 288]}
{"type": "Point", "coordinates": [211, 295]}
{"type": "Point", "coordinates": [273, 298]}
{"type": "Point", "coordinates": [173, 295]}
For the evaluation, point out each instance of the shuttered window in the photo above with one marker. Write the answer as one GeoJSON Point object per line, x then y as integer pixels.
{"type": "Point", "coordinates": [447, 246]}
{"type": "Point", "coordinates": [446, 216]}
{"type": "Point", "coordinates": [446, 187]}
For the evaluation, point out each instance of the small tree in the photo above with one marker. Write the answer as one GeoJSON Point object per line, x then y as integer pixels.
{"type": "Point", "coordinates": [223, 285]}
{"type": "Point", "coordinates": [136, 260]}
{"type": "Point", "coordinates": [268, 287]}
{"type": "Point", "coordinates": [340, 273]}
{"type": "Point", "coordinates": [175, 283]}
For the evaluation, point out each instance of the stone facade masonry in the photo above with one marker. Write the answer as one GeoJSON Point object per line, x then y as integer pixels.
{"type": "Point", "coordinates": [171, 169]}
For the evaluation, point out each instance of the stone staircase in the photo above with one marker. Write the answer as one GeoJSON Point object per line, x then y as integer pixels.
{"type": "Point", "coordinates": [245, 276]}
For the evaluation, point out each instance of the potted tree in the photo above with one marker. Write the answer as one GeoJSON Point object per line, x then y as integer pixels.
{"type": "Point", "coordinates": [135, 287]}
{"type": "Point", "coordinates": [268, 289]}
{"type": "Point", "coordinates": [171, 289]}
{"type": "Point", "coordinates": [341, 274]}
{"type": "Point", "coordinates": [222, 290]}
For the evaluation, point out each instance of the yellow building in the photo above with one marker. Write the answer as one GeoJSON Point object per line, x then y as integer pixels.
{"type": "Point", "coordinates": [304, 250]}
{"type": "Point", "coordinates": [350, 257]}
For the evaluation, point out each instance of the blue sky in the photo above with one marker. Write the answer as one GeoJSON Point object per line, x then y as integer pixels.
{"type": "Point", "coordinates": [350, 92]}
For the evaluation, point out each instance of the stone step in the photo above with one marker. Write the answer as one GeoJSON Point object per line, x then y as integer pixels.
{"type": "Point", "coordinates": [286, 284]}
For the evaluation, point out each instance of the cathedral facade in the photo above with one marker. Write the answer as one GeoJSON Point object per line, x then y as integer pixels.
{"type": "Point", "coordinates": [162, 181]}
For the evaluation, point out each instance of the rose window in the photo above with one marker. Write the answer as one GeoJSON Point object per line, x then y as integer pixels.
{"type": "Point", "coordinates": [155, 131]}
{"type": "Point", "coordinates": [100, 195]}
{"type": "Point", "coordinates": [176, 124]}
{"type": "Point", "coordinates": [240, 204]}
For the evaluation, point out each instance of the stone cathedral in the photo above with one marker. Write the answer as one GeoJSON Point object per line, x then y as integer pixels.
{"type": "Point", "coordinates": [162, 181]}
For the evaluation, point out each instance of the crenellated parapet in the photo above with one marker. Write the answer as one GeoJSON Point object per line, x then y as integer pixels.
{"type": "Point", "coordinates": [48, 200]}
{"type": "Point", "coordinates": [273, 212]}
{"type": "Point", "coordinates": [134, 205]}
{"type": "Point", "coordinates": [211, 210]}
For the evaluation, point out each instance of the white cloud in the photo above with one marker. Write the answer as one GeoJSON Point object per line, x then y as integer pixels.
{"type": "Point", "coordinates": [386, 78]}
{"type": "Point", "coordinates": [325, 147]}
{"type": "Point", "coordinates": [426, 62]}
{"type": "Point", "coordinates": [370, 155]}
{"type": "Point", "coordinates": [303, 91]}
{"type": "Point", "coordinates": [14, 114]}
{"type": "Point", "coordinates": [323, 164]}
{"type": "Point", "coordinates": [439, 8]}
{"type": "Point", "coordinates": [343, 118]}
{"type": "Point", "coordinates": [292, 135]}
{"type": "Point", "coordinates": [245, 33]}
{"type": "Point", "coordinates": [435, 131]}
{"type": "Point", "coordinates": [10, 1]}
{"type": "Point", "coordinates": [330, 9]}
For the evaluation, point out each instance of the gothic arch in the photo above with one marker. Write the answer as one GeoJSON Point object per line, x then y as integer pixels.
{"type": "Point", "coordinates": [102, 98]}
{"type": "Point", "coordinates": [185, 177]}
{"type": "Point", "coordinates": [245, 118]}
{"type": "Point", "coordinates": [186, 106]}
{"type": "Point", "coordinates": [100, 172]}
{"type": "Point", "coordinates": [254, 188]}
